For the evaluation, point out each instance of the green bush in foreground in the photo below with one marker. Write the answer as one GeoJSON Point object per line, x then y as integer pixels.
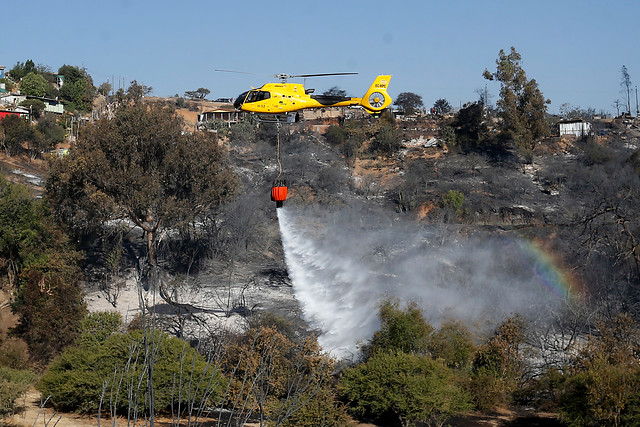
{"type": "Point", "coordinates": [76, 378]}
{"type": "Point", "coordinates": [408, 387]}
{"type": "Point", "coordinates": [13, 384]}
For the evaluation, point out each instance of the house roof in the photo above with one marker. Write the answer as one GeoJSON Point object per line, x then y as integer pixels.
{"type": "Point", "coordinates": [572, 121]}
{"type": "Point", "coordinates": [219, 110]}
{"type": "Point", "coordinates": [42, 98]}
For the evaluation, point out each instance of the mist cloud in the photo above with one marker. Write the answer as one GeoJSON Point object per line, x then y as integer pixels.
{"type": "Point", "coordinates": [343, 262]}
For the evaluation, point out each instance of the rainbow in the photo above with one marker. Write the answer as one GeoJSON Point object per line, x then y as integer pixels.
{"type": "Point", "coordinates": [547, 269]}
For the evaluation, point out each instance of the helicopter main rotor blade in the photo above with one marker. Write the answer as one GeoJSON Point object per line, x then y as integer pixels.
{"type": "Point", "coordinates": [238, 72]}
{"type": "Point", "coordinates": [321, 74]}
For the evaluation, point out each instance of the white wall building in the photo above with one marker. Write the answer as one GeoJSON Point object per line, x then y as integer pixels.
{"type": "Point", "coordinates": [578, 128]}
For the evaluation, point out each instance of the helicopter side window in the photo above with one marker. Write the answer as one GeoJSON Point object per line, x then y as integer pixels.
{"type": "Point", "coordinates": [258, 95]}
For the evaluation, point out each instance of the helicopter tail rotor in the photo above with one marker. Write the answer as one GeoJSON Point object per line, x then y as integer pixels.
{"type": "Point", "coordinates": [377, 99]}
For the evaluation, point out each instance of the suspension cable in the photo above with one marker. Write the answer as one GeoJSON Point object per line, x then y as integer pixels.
{"type": "Point", "coordinates": [278, 148]}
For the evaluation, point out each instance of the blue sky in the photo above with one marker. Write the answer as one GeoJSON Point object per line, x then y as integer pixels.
{"type": "Point", "coordinates": [574, 49]}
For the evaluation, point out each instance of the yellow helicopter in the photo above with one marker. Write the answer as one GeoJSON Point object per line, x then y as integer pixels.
{"type": "Point", "coordinates": [282, 101]}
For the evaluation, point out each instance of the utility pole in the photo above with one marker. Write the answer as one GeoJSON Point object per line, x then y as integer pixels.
{"type": "Point", "coordinates": [637, 109]}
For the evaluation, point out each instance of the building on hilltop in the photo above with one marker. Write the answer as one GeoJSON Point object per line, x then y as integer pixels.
{"type": "Point", "coordinates": [50, 105]}
{"type": "Point", "coordinates": [578, 128]}
{"type": "Point", "coordinates": [17, 111]}
{"type": "Point", "coordinates": [228, 115]}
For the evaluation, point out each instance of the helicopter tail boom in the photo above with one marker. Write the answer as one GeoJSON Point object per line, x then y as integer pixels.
{"type": "Point", "coordinates": [376, 98]}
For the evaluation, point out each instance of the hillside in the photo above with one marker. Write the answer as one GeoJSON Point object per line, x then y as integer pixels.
{"type": "Point", "coordinates": [378, 218]}
{"type": "Point", "coordinates": [500, 193]}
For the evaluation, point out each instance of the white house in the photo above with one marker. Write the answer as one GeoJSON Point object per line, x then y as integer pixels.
{"type": "Point", "coordinates": [228, 115]}
{"type": "Point", "coordinates": [579, 128]}
{"type": "Point", "coordinates": [50, 105]}
{"type": "Point", "coordinates": [12, 99]}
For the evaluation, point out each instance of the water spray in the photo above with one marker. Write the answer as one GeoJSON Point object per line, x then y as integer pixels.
{"type": "Point", "coordinates": [343, 264]}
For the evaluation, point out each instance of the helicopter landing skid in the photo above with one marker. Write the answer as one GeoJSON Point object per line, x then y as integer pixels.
{"type": "Point", "coordinates": [292, 117]}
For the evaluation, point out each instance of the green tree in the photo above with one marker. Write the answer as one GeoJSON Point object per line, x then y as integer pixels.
{"type": "Point", "coordinates": [21, 69]}
{"type": "Point", "coordinates": [52, 131]}
{"type": "Point", "coordinates": [348, 138]}
{"type": "Point", "coordinates": [78, 89]}
{"type": "Point", "coordinates": [78, 94]}
{"type": "Point", "coordinates": [453, 343]}
{"type": "Point", "coordinates": [408, 387]}
{"type": "Point", "coordinates": [498, 364]}
{"type": "Point", "coordinates": [140, 166]}
{"type": "Point", "coordinates": [442, 107]}
{"type": "Point", "coordinates": [104, 89]}
{"type": "Point", "coordinates": [521, 106]}
{"type": "Point", "coordinates": [335, 91]}
{"type": "Point", "coordinates": [410, 103]}
{"type": "Point", "coordinates": [120, 95]}
{"type": "Point", "coordinates": [136, 91]}
{"type": "Point", "coordinates": [470, 126]}
{"type": "Point", "coordinates": [181, 376]}
{"type": "Point", "coordinates": [21, 229]}
{"type": "Point", "coordinates": [72, 74]}
{"type": "Point", "coordinates": [97, 327]}
{"type": "Point", "coordinates": [14, 383]}
{"type": "Point", "coordinates": [34, 84]}
{"type": "Point", "coordinates": [603, 386]}
{"type": "Point", "coordinates": [401, 330]}
{"type": "Point", "coordinates": [43, 269]}
{"type": "Point", "coordinates": [454, 199]}
{"type": "Point", "coordinates": [336, 135]}
{"type": "Point", "coordinates": [14, 132]}
{"type": "Point", "coordinates": [245, 131]}
{"type": "Point", "coordinates": [200, 93]}
{"type": "Point", "coordinates": [36, 144]}
{"type": "Point", "coordinates": [35, 106]}
{"type": "Point", "coordinates": [386, 140]}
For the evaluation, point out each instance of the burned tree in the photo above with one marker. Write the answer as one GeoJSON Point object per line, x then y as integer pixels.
{"type": "Point", "coordinates": [141, 167]}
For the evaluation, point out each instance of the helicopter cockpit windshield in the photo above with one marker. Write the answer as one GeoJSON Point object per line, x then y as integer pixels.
{"type": "Point", "coordinates": [251, 96]}
{"type": "Point", "coordinates": [240, 100]}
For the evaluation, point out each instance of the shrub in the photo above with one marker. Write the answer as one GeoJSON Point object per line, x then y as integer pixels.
{"type": "Point", "coordinates": [16, 131]}
{"type": "Point", "coordinates": [13, 384]}
{"type": "Point", "coordinates": [95, 328]}
{"type": "Point", "coordinates": [498, 364]}
{"type": "Point", "coordinates": [386, 141]}
{"type": "Point", "coordinates": [76, 378]}
{"type": "Point", "coordinates": [243, 132]}
{"type": "Point", "coordinates": [50, 309]}
{"type": "Point", "coordinates": [453, 343]}
{"type": "Point", "coordinates": [283, 382]}
{"type": "Point", "coordinates": [13, 353]}
{"type": "Point", "coordinates": [336, 135]}
{"type": "Point", "coordinates": [406, 386]}
{"type": "Point", "coordinates": [35, 106]}
{"type": "Point", "coordinates": [603, 389]}
{"type": "Point", "coordinates": [401, 330]}
{"type": "Point", "coordinates": [37, 258]}
{"type": "Point", "coordinates": [52, 132]}
{"type": "Point", "coordinates": [453, 199]}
